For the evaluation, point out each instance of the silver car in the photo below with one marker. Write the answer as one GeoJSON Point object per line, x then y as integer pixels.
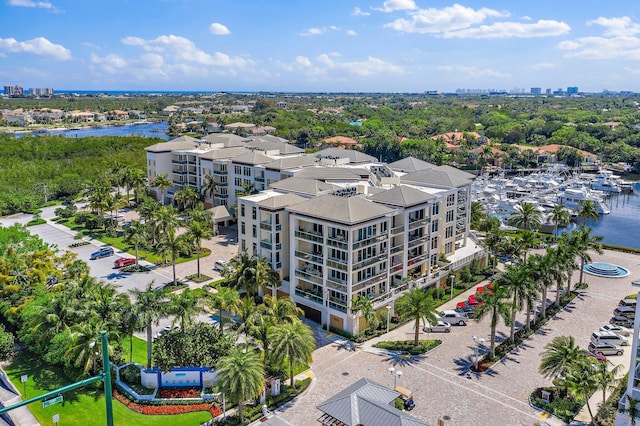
{"type": "Point", "coordinates": [605, 349]}
{"type": "Point", "coordinates": [617, 329]}
{"type": "Point", "coordinates": [440, 326]}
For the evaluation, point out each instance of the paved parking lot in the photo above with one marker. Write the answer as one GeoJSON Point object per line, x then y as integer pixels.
{"type": "Point", "coordinates": [442, 385]}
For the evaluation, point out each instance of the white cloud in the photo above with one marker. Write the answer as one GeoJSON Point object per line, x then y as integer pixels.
{"type": "Point", "coordinates": [393, 5]}
{"type": "Point", "coordinates": [319, 31]}
{"type": "Point", "coordinates": [358, 12]}
{"type": "Point", "coordinates": [38, 46]}
{"type": "Point", "coordinates": [448, 19]}
{"type": "Point", "coordinates": [541, 28]}
{"type": "Point", "coordinates": [543, 65]}
{"type": "Point", "coordinates": [219, 29]}
{"type": "Point", "coordinates": [303, 61]}
{"type": "Point", "coordinates": [29, 3]}
{"type": "Point", "coordinates": [351, 33]}
{"type": "Point", "coordinates": [474, 72]}
{"type": "Point", "coordinates": [619, 40]}
{"type": "Point", "coordinates": [329, 65]}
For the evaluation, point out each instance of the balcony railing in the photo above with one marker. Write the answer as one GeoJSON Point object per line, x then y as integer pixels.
{"type": "Point", "coordinates": [220, 172]}
{"type": "Point", "coordinates": [370, 241]}
{"type": "Point", "coordinates": [309, 236]}
{"type": "Point", "coordinates": [369, 281]}
{"type": "Point", "coordinates": [340, 306]}
{"type": "Point", "coordinates": [337, 264]}
{"type": "Point", "coordinates": [269, 246]}
{"type": "Point", "coordinates": [417, 223]}
{"type": "Point", "coordinates": [310, 276]}
{"type": "Point", "coordinates": [367, 262]}
{"type": "Point", "coordinates": [259, 179]}
{"type": "Point", "coordinates": [309, 294]}
{"type": "Point", "coordinates": [336, 284]}
{"type": "Point", "coordinates": [398, 229]}
{"type": "Point", "coordinates": [308, 256]}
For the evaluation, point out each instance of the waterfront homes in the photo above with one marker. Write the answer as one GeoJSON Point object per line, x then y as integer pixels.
{"type": "Point", "coordinates": [336, 224]}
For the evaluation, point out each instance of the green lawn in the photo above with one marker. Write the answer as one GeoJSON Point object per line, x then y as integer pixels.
{"type": "Point", "coordinates": [139, 350]}
{"type": "Point", "coordinates": [84, 406]}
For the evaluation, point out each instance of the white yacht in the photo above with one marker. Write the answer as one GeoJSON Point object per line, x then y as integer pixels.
{"type": "Point", "coordinates": [572, 198]}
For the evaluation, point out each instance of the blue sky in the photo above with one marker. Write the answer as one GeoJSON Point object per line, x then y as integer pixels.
{"type": "Point", "coordinates": [320, 45]}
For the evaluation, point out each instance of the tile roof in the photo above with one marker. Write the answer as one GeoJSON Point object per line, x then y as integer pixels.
{"type": "Point", "coordinates": [183, 142]}
{"type": "Point", "coordinates": [353, 156]}
{"type": "Point", "coordinates": [401, 195]}
{"type": "Point", "coordinates": [280, 201]}
{"type": "Point", "coordinates": [273, 144]}
{"type": "Point", "coordinates": [333, 173]}
{"type": "Point", "coordinates": [303, 186]}
{"type": "Point", "coordinates": [347, 210]}
{"type": "Point", "coordinates": [291, 162]}
{"type": "Point", "coordinates": [252, 158]}
{"type": "Point", "coordinates": [441, 176]}
{"type": "Point", "coordinates": [227, 139]}
{"type": "Point", "coordinates": [223, 153]}
{"type": "Point", "coordinates": [410, 164]}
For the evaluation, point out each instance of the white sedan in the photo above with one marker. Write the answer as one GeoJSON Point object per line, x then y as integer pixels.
{"type": "Point", "coordinates": [617, 329]}
{"type": "Point", "coordinates": [440, 326]}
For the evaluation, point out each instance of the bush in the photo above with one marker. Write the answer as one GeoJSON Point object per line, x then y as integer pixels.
{"type": "Point", "coordinates": [560, 404]}
{"type": "Point", "coordinates": [408, 346]}
{"type": "Point", "coordinates": [130, 374]}
{"type": "Point", "coordinates": [38, 221]}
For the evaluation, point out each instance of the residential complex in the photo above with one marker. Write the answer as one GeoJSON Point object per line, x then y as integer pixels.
{"type": "Point", "coordinates": [623, 417]}
{"type": "Point", "coordinates": [336, 224]}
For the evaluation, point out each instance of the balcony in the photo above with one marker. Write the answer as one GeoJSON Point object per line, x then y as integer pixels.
{"type": "Point", "coordinates": [369, 241]}
{"type": "Point", "coordinates": [309, 256]}
{"type": "Point", "coordinates": [309, 294]}
{"type": "Point", "coordinates": [368, 262]}
{"type": "Point", "coordinates": [309, 274]}
{"type": "Point", "coordinates": [338, 305]}
{"type": "Point", "coordinates": [179, 171]}
{"type": "Point", "coordinates": [220, 172]}
{"type": "Point", "coordinates": [309, 236]}
{"type": "Point", "coordinates": [337, 264]}
{"type": "Point", "coordinates": [266, 225]}
{"type": "Point", "coordinates": [176, 161]}
{"type": "Point", "coordinates": [266, 244]}
{"type": "Point", "coordinates": [369, 281]}
{"type": "Point", "coordinates": [417, 223]}
{"type": "Point", "coordinates": [336, 284]}
{"type": "Point", "coordinates": [397, 230]}
{"type": "Point", "coordinates": [259, 179]}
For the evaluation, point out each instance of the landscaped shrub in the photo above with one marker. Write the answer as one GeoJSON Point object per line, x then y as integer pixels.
{"type": "Point", "coordinates": [38, 221]}
{"type": "Point", "coordinates": [560, 405]}
{"type": "Point", "coordinates": [408, 346]}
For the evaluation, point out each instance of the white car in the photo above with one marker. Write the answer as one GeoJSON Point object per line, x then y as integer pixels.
{"type": "Point", "coordinates": [440, 326]}
{"type": "Point", "coordinates": [453, 317]}
{"type": "Point", "coordinates": [618, 329]}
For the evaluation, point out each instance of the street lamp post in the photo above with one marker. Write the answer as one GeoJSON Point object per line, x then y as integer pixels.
{"type": "Point", "coordinates": [388, 316]}
{"type": "Point", "coordinates": [453, 277]}
{"type": "Point", "coordinates": [396, 375]}
{"type": "Point", "coordinates": [478, 341]}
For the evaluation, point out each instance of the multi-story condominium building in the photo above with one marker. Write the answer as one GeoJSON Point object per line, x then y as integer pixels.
{"type": "Point", "coordinates": [336, 224]}
{"type": "Point", "coordinates": [623, 418]}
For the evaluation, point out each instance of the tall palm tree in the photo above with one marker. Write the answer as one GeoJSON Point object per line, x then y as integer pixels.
{"type": "Point", "coordinates": [173, 244]}
{"type": "Point", "coordinates": [363, 305]}
{"type": "Point", "coordinates": [415, 305]}
{"type": "Point", "coordinates": [187, 198]}
{"type": "Point", "coordinates": [225, 299]}
{"type": "Point", "coordinates": [137, 180]}
{"type": "Point", "coordinates": [560, 216]}
{"type": "Point", "coordinates": [559, 355]}
{"type": "Point", "coordinates": [631, 408]}
{"type": "Point", "coordinates": [527, 216]}
{"type": "Point", "coordinates": [164, 220]}
{"type": "Point", "coordinates": [135, 234]}
{"type": "Point", "coordinates": [162, 182]}
{"type": "Point", "coordinates": [81, 350]}
{"type": "Point", "coordinates": [477, 214]}
{"type": "Point", "coordinates": [266, 276]}
{"type": "Point", "coordinates": [607, 379]}
{"type": "Point", "coordinates": [293, 342]}
{"type": "Point", "coordinates": [515, 280]}
{"type": "Point", "coordinates": [581, 242]}
{"type": "Point", "coordinates": [150, 307]}
{"type": "Point", "coordinates": [588, 210]}
{"type": "Point", "coordinates": [185, 307]}
{"type": "Point", "coordinates": [240, 376]}
{"type": "Point", "coordinates": [495, 304]}
{"type": "Point", "coordinates": [210, 187]}
{"type": "Point", "coordinates": [282, 309]}
{"type": "Point", "coordinates": [527, 241]}
{"type": "Point", "coordinates": [580, 382]}
{"type": "Point", "coordinates": [197, 231]}
{"type": "Point", "coordinates": [242, 273]}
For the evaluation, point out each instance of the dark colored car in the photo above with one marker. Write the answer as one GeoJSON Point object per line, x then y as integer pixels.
{"type": "Point", "coordinates": [625, 311]}
{"type": "Point", "coordinates": [124, 261]}
{"type": "Point", "coordinates": [102, 252]}
{"type": "Point", "coordinates": [623, 321]}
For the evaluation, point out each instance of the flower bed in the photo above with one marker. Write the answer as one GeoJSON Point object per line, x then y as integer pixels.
{"type": "Point", "coordinates": [166, 409]}
{"type": "Point", "coordinates": [176, 393]}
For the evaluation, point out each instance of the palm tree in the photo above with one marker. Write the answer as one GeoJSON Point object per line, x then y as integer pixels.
{"type": "Point", "coordinates": [241, 376]}
{"type": "Point", "coordinates": [173, 244]}
{"type": "Point", "coordinates": [225, 299]}
{"type": "Point", "coordinates": [185, 307]}
{"type": "Point", "coordinates": [197, 231]}
{"type": "Point", "coordinates": [210, 187]}
{"type": "Point", "coordinates": [162, 182]}
{"type": "Point", "coordinates": [559, 216]}
{"type": "Point", "coordinates": [187, 198]}
{"type": "Point", "coordinates": [515, 280]}
{"type": "Point", "coordinates": [580, 382]}
{"type": "Point", "coordinates": [527, 241]}
{"type": "Point", "coordinates": [164, 220]}
{"type": "Point", "coordinates": [293, 342]}
{"type": "Point", "coordinates": [527, 216]}
{"type": "Point", "coordinates": [242, 272]}
{"type": "Point", "coordinates": [559, 354]}
{"type": "Point", "coordinates": [136, 179]}
{"type": "Point", "coordinates": [266, 276]}
{"type": "Point", "coordinates": [607, 379]}
{"type": "Point", "coordinates": [82, 350]}
{"type": "Point", "coordinates": [282, 309]}
{"type": "Point", "coordinates": [363, 305]}
{"type": "Point", "coordinates": [477, 214]}
{"type": "Point", "coordinates": [135, 234]}
{"type": "Point", "coordinates": [588, 210]}
{"type": "Point", "coordinates": [150, 306]}
{"type": "Point", "coordinates": [580, 242]}
{"type": "Point", "coordinates": [415, 305]}
{"type": "Point", "coordinates": [631, 408]}
{"type": "Point", "coordinates": [495, 304]}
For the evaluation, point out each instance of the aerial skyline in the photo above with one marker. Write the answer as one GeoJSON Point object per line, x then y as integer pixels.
{"type": "Point", "coordinates": [319, 46]}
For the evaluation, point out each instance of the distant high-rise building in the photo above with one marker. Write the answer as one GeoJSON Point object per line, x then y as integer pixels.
{"type": "Point", "coordinates": [547, 91]}
{"type": "Point", "coordinates": [13, 90]}
{"type": "Point", "coordinates": [41, 91]}
{"type": "Point", "coordinates": [572, 90]}
{"type": "Point", "coordinates": [536, 90]}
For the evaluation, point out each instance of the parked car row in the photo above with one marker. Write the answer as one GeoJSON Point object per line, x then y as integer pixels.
{"type": "Point", "coordinates": [610, 338]}
{"type": "Point", "coordinates": [468, 306]}
{"type": "Point", "coordinates": [625, 313]}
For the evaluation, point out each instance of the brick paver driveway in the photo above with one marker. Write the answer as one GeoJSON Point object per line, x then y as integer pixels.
{"type": "Point", "coordinates": [441, 383]}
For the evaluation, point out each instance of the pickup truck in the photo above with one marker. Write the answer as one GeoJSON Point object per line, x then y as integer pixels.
{"type": "Point", "coordinates": [102, 252]}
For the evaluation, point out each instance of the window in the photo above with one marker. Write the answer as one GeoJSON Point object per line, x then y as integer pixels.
{"type": "Point", "coordinates": [448, 247]}
{"type": "Point", "coordinates": [242, 210]}
{"type": "Point", "coordinates": [435, 209]}
{"type": "Point", "coordinates": [434, 243]}
{"type": "Point", "coordinates": [449, 216]}
{"type": "Point", "coordinates": [255, 249]}
{"type": "Point", "coordinates": [237, 170]}
{"type": "Point", "coordinates": [237, 181]}
{"type": "Point", "coordinates": [434, 226]}
{"type": "Point", "coordinates": [242, 228]}
{"type": "Point", "coordinates": [246, 171]}
{"type": "Point", "coordinates": [451, 199]}
{"type": "Point", "coordinates": [448, 232]}
{"type": "Point", "coordinates": [254, 213]}
{"type": "Point", "coordinates": [254, 231]}
{"type": "Point", "coordinates": [243, 245]}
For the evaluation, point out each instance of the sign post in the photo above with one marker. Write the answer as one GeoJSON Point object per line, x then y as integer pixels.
{"type": "Point", "coordinates": [56, 419]}
{"type": "Point", "coordinates": [24, 379]}
{"type": "Point", "coordinates": [49, 402]}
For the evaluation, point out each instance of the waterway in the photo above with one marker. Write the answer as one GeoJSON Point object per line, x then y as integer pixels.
{"type": "Point", "coordinates": [151, 130]}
